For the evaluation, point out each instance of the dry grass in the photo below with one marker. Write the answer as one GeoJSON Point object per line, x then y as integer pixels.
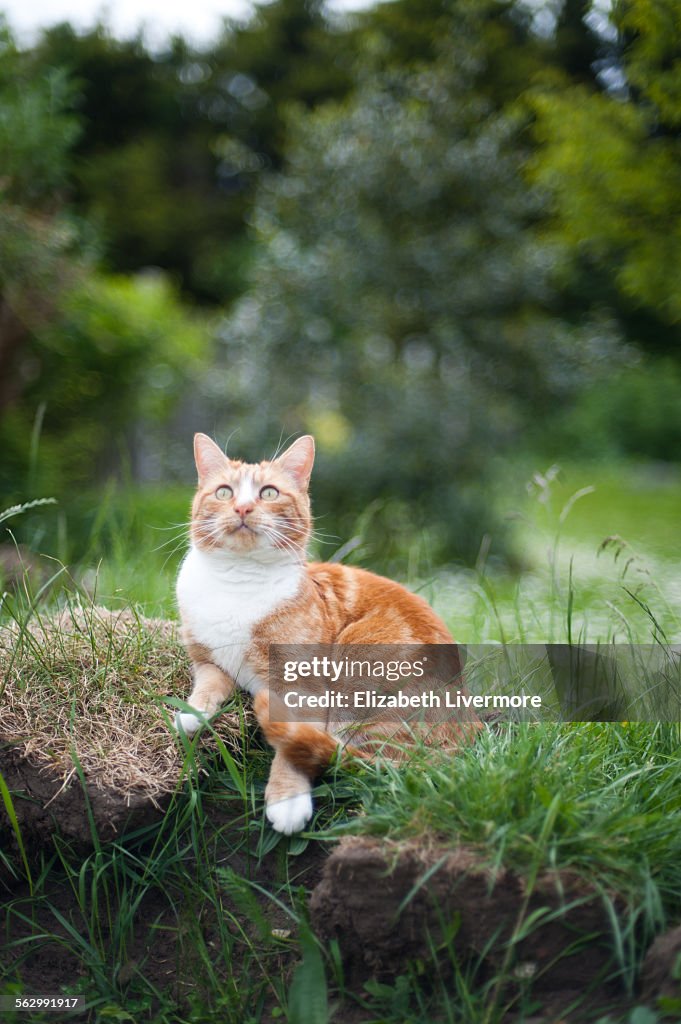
{"type": "Point", "coordinates": [91, 681]}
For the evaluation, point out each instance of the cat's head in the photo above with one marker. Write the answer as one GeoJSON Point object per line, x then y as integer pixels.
{"type": "Point", "coordinates": [258, 510]}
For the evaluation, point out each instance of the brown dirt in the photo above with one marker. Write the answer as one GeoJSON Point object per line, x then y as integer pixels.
{"type": "Point", "coordinates": [661, 974]}
{"type": "Point", "coordinates": [385, 903]}
{"type": "Point", "coordinates": [45, 804]}
{"type": "Point", "coordinates": [160, 945]}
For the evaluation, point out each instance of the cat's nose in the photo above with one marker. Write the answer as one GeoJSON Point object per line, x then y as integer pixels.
{"type": "Point", "coordinates": [244, 508]}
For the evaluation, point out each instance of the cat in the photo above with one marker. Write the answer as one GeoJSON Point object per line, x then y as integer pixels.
{"type": "Point", "coordinates": [245, 584]}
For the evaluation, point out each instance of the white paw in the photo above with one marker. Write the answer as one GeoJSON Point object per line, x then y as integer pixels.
{"type": "Point", "coordinates": [290, 815]}
{"type": "Point", "coordinates": [187, 723]}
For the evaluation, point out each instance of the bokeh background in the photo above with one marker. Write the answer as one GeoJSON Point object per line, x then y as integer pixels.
{"type": "Point", "coordinates": [444, 236]}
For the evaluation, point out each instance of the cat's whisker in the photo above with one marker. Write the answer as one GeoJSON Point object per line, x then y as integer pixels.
{"type": "Point", "coordinates": [210, 531]}
{"type": "Point", "coordinates": [177, 539]}
{"type": "Point", "coordinates": [284, 534]}
{"type": "Point", "coordinates": [304, 519]}
{"type": "Point", "coordinates": [171, 554]}
{"type": "Point", "coordinates": [291, 521]}
{"type": "Point", "coordinates": [285, 543]}
{"type": "Point", "coordinates": [321, 536]}
{"type": "Point", "coordinates": [172, 526]}
{"type": "Point", "coordinates": [235, 431]}
{"type": "Point", "coordinates": [280, 446]}
{"type": "Point", "coordinates": [276, 536]}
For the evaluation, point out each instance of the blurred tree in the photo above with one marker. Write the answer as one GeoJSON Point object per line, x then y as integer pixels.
{"type": "Point", "coordinates": [145, 170]}
{"type": "Point", "coordinates": [611, 161]}
{"type": "Point", "coordinates": [84, 360]}
{"type": "Point", "coordinates": [172, 143]}
{"type": "Point", "coordinates": [576, 45]}
{"type": "Point", "coordinates": [498, 48]}
{"type": "Point", "coordinates": [635, 413]}
{"type": "Point", "coordinates": [393, 306]}
{"type": "Point", "coordinates": [99, 378]}
{"type": "Point", "coordinates": [37, 240]}
{"type": "Point", "coordinates": [287, 53]}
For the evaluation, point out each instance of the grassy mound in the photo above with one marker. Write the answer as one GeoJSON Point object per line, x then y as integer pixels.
{"type": "Point", "coordinates": [88, 682]}
{"type": "Point", "coordinates": [87, 746]}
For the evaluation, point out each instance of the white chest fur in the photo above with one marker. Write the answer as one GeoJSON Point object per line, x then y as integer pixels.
{"type": "Point", "coordinates": [222, 599]}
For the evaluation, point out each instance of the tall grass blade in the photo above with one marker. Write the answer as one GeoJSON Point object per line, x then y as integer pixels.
{"type": "Point", "coordinates": [14, 821]}
{"type": "Point", "coordinates": [307, 998]}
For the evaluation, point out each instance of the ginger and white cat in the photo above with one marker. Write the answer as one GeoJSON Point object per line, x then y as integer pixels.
{"type": "Point", "coordinates": [245, 584]}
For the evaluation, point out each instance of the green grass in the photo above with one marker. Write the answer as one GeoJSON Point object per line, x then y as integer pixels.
{"type": "Point", "coordinates": [638, 501]}
{"type": "Point", "coordinates": [599, 556]}
{"type": "Point", "coordinates": [605, 798]}
{"type": "Point", "coordinates": [222, 898]}
{"type": "Point", "coordinates": [212, 962]}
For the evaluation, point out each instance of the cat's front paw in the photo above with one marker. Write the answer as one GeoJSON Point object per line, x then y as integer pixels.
{"type": "Point", "coordinates": [291, 814]}
{"type": "Point", "coordinates": [188, 723]}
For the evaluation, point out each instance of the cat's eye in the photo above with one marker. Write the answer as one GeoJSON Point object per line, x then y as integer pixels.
{"type": "Point", "coordinates": [269, 493]}
{"type": "Point", "coordinates": [224, 492]}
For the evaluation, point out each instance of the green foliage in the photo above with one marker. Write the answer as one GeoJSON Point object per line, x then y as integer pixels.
{"type": "Point", "coordinates": [38, 258]}
{"type": "Point", "coordinates": [617, 191]}
{"type": "Point", "coordinates": [396, 309]}
{"type": "Point", "coordinates": [612, 161]}
{"type": "Point", "coordinates": [112, 361]}
{"type": "Point", "coordinates": [598, 799]}
{"type": "Point", "coordinates": [37, 242]}
{"type": "Point", "coordinates": [87, 362]}
{"type": "Point", "coordinates": [205, 889]}
{"type": "Point", "coordinates": [636, 412]}
{"type": "Point", "coordinates": [396, 271]}
{"type": "Point", "coordinates": [173, 142]}
{"type": "Point", "coordinates": [652, 29]}
{"type": "Point", "coordinates": [286, 54]}
{"type": "Point", "coordinates": [577, 47]}
{"type": "Point", "coordinates": [35, 134]}
{"type": "Point", "coordinates": [412, 300]}
{"type": "Point", "coordinates": [11, 814]}
{"type": "Point", "coordinates": [492, 39]}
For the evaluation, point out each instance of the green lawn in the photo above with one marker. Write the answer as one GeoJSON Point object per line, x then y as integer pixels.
{"type": "Point", "coordinates": [556, 530]}
{"type": "Point", "coordinates": [639, 502]}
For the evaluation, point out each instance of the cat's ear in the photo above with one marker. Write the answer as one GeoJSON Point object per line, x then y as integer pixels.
{"type": "Point", "coordinates": [298, 459]}
{"type": "Point", "coordinates": [208, 457]}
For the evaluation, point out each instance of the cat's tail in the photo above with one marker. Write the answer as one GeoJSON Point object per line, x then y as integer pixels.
{"type": "Point", "coordinates": [307, 747]}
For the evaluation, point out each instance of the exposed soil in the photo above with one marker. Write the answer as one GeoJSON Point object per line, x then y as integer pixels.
{"type": "Point", "coordinates": [160, 944]}
{"type": "Point", "coordinates": [661, 974]}
{"type": "Point", "coordinates": [87, 687]}
{"type": "Point", "coordinates": [387, 903]}
{"type": "Point", "coordinates": [45, 804]}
